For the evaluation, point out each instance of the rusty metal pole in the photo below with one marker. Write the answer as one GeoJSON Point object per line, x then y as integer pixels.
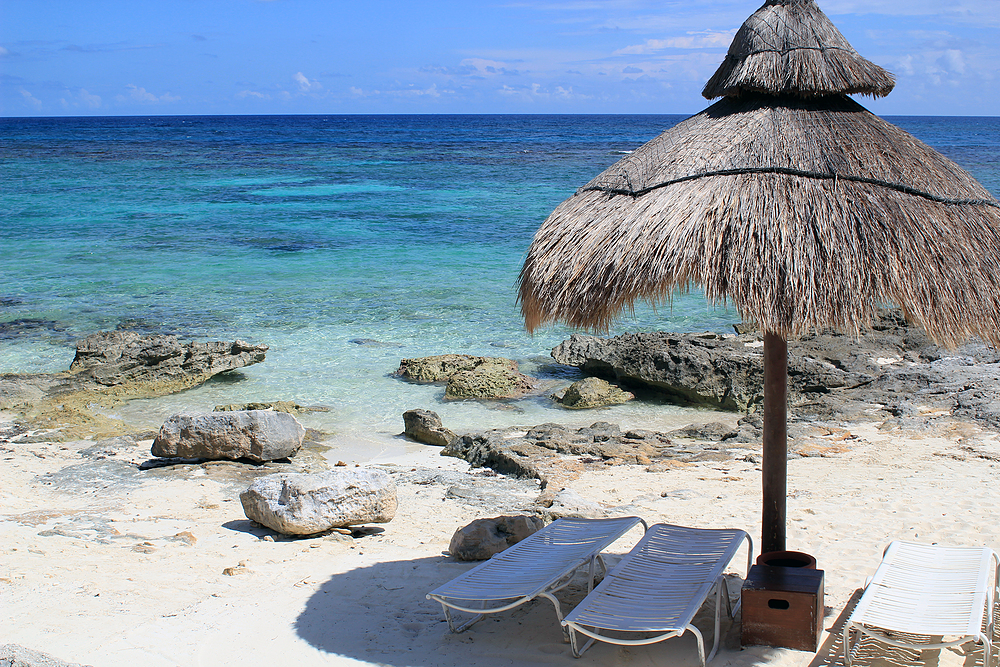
{"type": "Point", "coordinates": [775, 450]}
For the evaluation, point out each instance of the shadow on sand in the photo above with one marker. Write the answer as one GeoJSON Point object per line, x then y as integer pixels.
{"type": "Point", "coordinates": [379, 614]}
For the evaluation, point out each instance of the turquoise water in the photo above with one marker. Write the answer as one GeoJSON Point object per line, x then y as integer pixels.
{"type": "Point", "coordinates": [345, 243]}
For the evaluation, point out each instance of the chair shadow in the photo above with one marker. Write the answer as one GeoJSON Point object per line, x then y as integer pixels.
{"type": "Point", "coordinates": [379, 614]}
{"type": "Point", "coordinates": [871, 653]}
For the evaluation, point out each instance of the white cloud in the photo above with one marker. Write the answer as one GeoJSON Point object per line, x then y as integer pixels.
{"type": "Point", "coordinates": [953, 61]}
{"type": "Point", "coordinates": [485, 67]}
{"type": "Point", "coordinates": [81, 98]}
{"type": "Point", "coordinates": [4, 52]}
{"type": "Point", "coordinates": [306, 84]}
{"type": "Point", "coordinates": [137, 94]}
{"type": "Point", "coordinates": [693, 40]}
{"type": "Point", "coordinates": [243, 94]}
{"type": "Point", "coordinates": [31, 99]}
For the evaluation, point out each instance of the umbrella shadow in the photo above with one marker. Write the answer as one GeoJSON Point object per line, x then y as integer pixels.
{"type": "Point", "coordinates": [379, 614]}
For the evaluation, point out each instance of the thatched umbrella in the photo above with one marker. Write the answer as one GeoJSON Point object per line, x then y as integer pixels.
{"type": "Point", "coordinates": [787, 199]}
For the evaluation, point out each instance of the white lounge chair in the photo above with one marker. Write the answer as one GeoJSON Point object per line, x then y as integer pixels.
{"type": "Point", "coordinates": [537, 566]}
{"type": "Point", "coordinates": [654, 593]}
{"type": "Point", "coordinates": [930, 591]}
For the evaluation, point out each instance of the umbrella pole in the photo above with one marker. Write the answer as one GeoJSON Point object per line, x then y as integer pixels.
{"type": "Point", "coordinates": [775, 445]}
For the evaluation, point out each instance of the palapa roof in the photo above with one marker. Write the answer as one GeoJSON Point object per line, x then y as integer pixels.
{"type": "Point", "coordinates": [790, 46]}
{"type": "Point", "coordinates": [802, 209]}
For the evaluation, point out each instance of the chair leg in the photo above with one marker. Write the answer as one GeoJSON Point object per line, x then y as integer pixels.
{"type": "Point", "coordinates": [848, 652]}
{"type": "Point", "coordinates": [451, 621]}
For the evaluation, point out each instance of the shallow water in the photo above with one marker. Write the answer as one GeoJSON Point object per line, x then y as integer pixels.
{"type": "Point", "coordinates": [345, 243]}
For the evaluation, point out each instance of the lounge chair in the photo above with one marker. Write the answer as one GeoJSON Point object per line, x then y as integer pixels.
{"type": "Point", "coordinates": [655, 591]}
{"type": "Point", "coordinates": [537, 566]}
{"type": "Point", "coordinates": [930, 591]}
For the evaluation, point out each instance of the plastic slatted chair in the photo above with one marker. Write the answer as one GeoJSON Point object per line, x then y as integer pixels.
{"type": "Point", "coordinates": [654, 593]}
{"type": "Point", "coordinates": [537, 566]}
{"type": "Point", "coordinates": [929, 591]}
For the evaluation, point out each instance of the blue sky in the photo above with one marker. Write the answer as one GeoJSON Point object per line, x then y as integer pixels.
{"type": "Point", "coordinates": [146, 57]}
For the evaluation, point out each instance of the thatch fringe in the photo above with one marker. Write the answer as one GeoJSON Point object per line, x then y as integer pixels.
{"type": "Point", "coordinates": [834, 138]}
{"type": "Point", "coordinates": [791, 253]}
{"type": "Point", "coordinates": [790, 47]}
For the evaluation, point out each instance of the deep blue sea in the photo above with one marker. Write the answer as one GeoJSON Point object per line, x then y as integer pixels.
{"type": "Point", "coordinates": [345, 243]}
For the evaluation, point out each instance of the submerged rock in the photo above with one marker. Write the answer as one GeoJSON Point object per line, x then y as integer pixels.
{"type": "Point", "coordinates": [306, 504]}
{"type": "Point", "coordinates": [258, 435]}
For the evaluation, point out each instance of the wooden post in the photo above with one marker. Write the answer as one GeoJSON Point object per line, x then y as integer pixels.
{"type": "Point", "coordinates": [775, 449]}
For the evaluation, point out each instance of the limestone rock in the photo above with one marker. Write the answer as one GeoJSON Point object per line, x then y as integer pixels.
{"type": "Point", "coordinates": [568, 503]}
{"type": "Point", "coordinates": [441, 367]}
{"type": "Point", "coordinates": [112, 358]}
{"type": "Point", "coordinates": [483, 538]}
{"type": "Point", "coordinates": [469, 377]}
{"type": "Point", "coordinates": [891, 367]}
{"type": "Point", "coordinates": [593, 392]}
{"type": "Point", "coordinates": [258, 435]}
{"type": "Point", "coordinates": [488, 382]}
{"type": "Point", "coordinates": [425, 426]}
{"type": "Point", "coordinates": [278, 406]}
{"type": "Point", "coordinates": [305, 504]}
{"type": "Point", "coordinates": [12, 655]}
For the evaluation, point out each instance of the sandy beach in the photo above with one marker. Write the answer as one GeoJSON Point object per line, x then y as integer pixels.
{"type": "Point", "coordinates": [105, 567]}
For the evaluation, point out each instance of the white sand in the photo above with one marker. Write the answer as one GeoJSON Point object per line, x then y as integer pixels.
{"type": "Point", "coordinates": [108, 576]}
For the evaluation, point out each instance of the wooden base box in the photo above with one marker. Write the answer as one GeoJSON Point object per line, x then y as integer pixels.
{"type": "Point", "coordinates": [783, 607]}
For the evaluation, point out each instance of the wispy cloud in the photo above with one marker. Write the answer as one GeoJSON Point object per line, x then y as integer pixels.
{"type": "Point", "coordinates": [80, 99]}
{"type": "Point", "coordinates": [137, 94]}
{"type": "Point", "coordinates": [243, 94]}
{"type": "Point", "coordinates": [307, 85]}
{"type": "Point", "coordinates": [692, 40]}
{"type": "Point", "coordinates": [30, 99]}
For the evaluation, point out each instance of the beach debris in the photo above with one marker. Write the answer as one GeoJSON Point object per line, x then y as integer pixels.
{"type": "Point", "coordinates": [483, 538]}
{"type": "Point", "coordinates": [306, 504]}
{"type": "Point", "coordinates": [592, 392]}
{"type": "Point", "coordinates": [114, 358]}
{"type": "Point", "coordinates": [426, 426]}
{"type": "Point", "coordinates": [238, 569]}
{"type": "Point", "coordinates": [257, 435]}
{"type": "Point", "coordinates": [469, 377]}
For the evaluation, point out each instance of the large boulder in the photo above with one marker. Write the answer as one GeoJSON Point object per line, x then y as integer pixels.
{"type": "Point", "coordinates": [425, 426]}
{"type": "Point", "coordinates": [483, 538]}
{"type": "Point", "coordinates": [258, 435]}
{"type": "Point", "coordinates": [112, 358]}
{"type": "Point", "coordinates": [592, 392]}
{"type": "Point", "coordinates": [306, 504]}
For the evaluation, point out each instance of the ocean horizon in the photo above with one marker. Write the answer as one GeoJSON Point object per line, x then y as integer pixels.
{"type": "Point", "coordinates": [344, 242]}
